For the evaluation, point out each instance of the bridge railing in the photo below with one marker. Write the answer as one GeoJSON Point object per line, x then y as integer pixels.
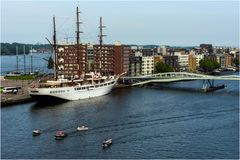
{"type": "Point", "coordinates": [170, 75]}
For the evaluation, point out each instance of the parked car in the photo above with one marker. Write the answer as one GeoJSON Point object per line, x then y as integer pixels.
{"type": "Point", "coordinates": [10, 90]}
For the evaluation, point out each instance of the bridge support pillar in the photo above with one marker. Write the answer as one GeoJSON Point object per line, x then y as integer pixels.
{"type": "Point", "coordinates": [208, 85]}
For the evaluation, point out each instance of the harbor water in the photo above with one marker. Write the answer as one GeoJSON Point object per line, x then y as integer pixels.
{"type": "Point", "coordinates": [174, 120]}
{"type": "Point", "coordinates": [39, 63]}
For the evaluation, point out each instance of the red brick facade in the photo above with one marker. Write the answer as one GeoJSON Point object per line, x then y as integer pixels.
{"type": "Point", "coordinates": [114, 60]}
{"type": "Point", "coordinates": [70, 64]}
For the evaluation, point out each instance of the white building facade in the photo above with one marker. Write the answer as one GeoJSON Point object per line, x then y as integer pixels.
{"type": "Point", "coordinates": [182, 60]}
{"type": "Point", "coordinates": [198, 58]}
{"type": "Point", "coordinates": [147, 65]}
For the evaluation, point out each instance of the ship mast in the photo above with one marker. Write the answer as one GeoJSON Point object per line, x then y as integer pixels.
{"type": "Point", "coordinates": [101, 41]}
{"type": "Point", "coordinates": [78, 43]}
{"type": "Point", "coordinates": [31, 60]}
{"type": "Point", "coordinates": [17, 56]}
{"type": "Point", "coordinates": [55, 50]}
{"type": "Point", "coordinates": [24, 60]}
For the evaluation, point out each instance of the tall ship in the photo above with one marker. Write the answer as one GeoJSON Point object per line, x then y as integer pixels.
{"type": "Point", "coordinates": [72, 79]}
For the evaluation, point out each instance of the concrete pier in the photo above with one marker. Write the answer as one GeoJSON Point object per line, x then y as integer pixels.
{"type": "Point", "coordinates": [22, 94]}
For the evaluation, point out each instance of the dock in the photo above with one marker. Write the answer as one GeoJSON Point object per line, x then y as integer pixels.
{"type": "Point", "coordinates": [213, 88]}
{"type": "Point", "coordinates": [22, 95]}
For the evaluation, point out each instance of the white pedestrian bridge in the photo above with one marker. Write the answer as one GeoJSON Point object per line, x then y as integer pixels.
{"type": "Point", "coordinates": [176, 76]}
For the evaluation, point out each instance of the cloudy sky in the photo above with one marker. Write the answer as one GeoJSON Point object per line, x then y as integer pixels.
{"type": "Point", "coordinates": [176, 23]}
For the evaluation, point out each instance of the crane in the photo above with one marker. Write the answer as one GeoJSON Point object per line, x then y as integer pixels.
{"type": "Point", "coordinates": [68, 38]}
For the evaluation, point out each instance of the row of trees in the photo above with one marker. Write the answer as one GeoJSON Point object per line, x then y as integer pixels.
{"type": "Point", "coordinates": [10, 48]}
{"type": "Point", "coordinates": [161, 67]}
{"type": "Point", "coordinates": [206, 65]}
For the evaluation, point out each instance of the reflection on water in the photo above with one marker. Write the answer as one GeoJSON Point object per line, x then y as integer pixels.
{"type": "Point", "coordinates": [43, 104]}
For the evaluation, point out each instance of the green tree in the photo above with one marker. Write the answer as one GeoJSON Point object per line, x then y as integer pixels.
{"type": "Point", "coordinates": [50, 63]}
{"type": "Point", "coordinates": [161, 67]}
{"type": "Point", "coordinates": [236, 62]}
{"type": "Point", "coordinates": [216, 65]}
{"type": "Point", "coordinates": [4, 50]}
{"type": "Point", "coordinates": [208, 65]}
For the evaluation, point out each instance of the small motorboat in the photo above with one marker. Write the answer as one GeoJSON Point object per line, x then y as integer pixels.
{"type": "Point", "coordinates": [36, 132]}
{"type": "Point", "coordinates": [106, 143]}
{"type": "Point", "coordinates": [60, 135]}
{"type": "Point", "coordinates": [82, 128]}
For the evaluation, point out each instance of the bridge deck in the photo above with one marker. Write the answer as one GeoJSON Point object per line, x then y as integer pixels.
{"type": "Point", "coordinates": [178, 76]}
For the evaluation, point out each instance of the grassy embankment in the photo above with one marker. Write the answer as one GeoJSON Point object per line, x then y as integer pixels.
{"type": "Point", "coordinates": [23, 77]}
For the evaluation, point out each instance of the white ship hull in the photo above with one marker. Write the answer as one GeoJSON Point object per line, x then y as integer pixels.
{"type": "Point", "coordinates": [74, 92]}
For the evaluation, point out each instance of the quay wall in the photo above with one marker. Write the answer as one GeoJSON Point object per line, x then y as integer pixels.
{"type": "Point", "coordinates": [22, 95]}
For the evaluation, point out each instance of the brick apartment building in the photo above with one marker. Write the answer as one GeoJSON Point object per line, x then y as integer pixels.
{"type": "Point", "coordinates": [172, 61]}
{"type": "Point", "coordinates": [114, 60]}
{"type": "Point", "coordinates": [103, 59]}
{"type": "Point", "coordinates": [121, 58]}
{"type": "Point", "coordinates": [70, 63]}
{"type": "Point", "coordinates": [192, 63]}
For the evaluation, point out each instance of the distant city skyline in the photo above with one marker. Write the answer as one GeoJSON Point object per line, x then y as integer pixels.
{"type": "Point", "coordinates": [174, 23]}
